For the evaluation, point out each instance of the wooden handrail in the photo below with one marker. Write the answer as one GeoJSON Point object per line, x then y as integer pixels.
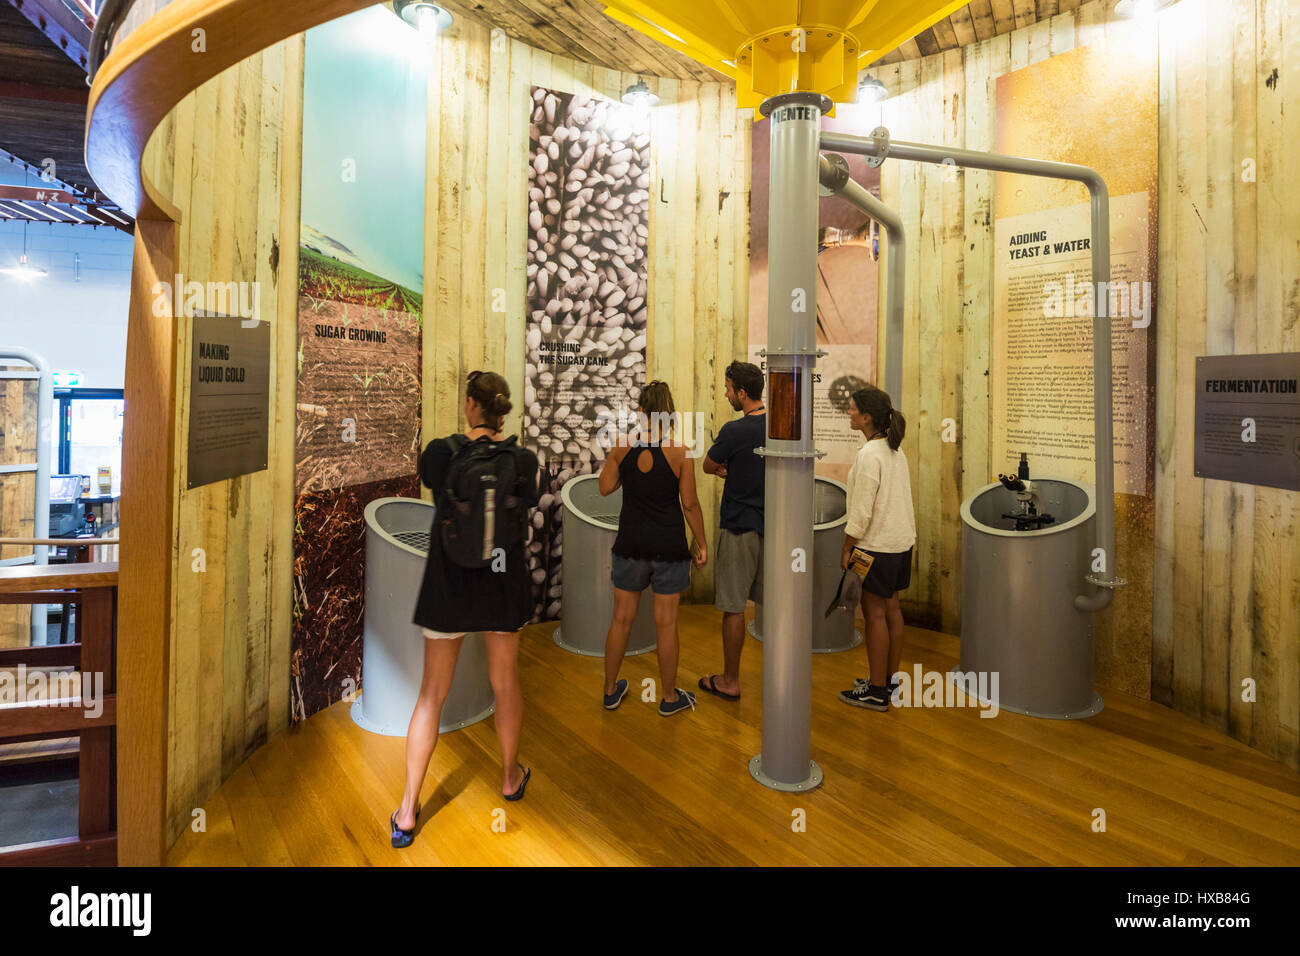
{"type": "Point", "coordinates": [47, 577]}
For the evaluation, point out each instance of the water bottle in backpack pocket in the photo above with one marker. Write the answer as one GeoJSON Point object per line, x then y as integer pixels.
{"type": "Point", "coordinates": [481, 508]}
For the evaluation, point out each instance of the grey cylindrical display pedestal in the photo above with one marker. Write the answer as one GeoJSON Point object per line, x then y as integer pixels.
{"type": "Point", "coordinates": [587, 599]}
{"type": "Point", "coordinates": [830, 515]}
{"type": "Point", "coordinates": [392, 662]}
{"type": "Point", "coordinates": [1018, 615]}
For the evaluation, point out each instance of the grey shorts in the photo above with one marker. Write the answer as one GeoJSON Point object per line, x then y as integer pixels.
{"type": "Point", "coordinates": [737, 570]}
{"type": "Point", "coordinates": [636, 574]}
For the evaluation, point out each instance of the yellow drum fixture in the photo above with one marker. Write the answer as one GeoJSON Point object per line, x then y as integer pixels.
{"type": "Point", "coordinates": [770, 47]}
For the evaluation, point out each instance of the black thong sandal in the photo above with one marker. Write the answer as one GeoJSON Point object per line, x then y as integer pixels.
{"type": "Point", "coordinates": [706, 685]}
{"type": "Point", "coordinates": [402, 838]}
{"type": "Point", "coordinates": [519, 794]}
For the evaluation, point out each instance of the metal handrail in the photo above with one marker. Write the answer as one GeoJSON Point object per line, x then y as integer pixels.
{"type": "Point", "coordinates": [109, 19]}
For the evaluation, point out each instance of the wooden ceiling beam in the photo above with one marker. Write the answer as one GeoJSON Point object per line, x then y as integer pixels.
{"type": "Point", "coordinates": [981, 15]}
{"type": "Point", "coordinates": [1004, 16]}
{"type": "Point", "coordinates": [44, 94]}
{"type": "Point", "coordinates": [927, 42]}
{"type": "Point", "coordinates": [946, 34]}
{"type": "Point", "coordinates": [1025, 12]}
{"type": "Point", "coordinates": [963, 26]}
{"type": "Point", "coordinates": [65, 30]}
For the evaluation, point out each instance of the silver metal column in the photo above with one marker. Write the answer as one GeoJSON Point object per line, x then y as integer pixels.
{"type": "Point", "coordinates": [785, 762]}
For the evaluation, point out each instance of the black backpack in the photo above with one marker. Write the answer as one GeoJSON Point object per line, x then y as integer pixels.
{"type": "Point", "coordinates": [481, 507]}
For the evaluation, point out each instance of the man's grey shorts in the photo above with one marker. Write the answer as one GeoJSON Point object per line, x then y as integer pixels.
{"type": "Point", "coordinates": [737, 570]}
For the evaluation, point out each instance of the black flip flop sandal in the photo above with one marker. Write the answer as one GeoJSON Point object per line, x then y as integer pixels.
{"type": "Point", "coordinates": [519, 794]}
{"type": "Point", "coordinates": [706, 685]}
{"type": "Point", "coordinates": [402, 838]}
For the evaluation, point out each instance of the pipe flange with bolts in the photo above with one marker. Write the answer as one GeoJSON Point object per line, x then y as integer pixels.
{"type": "Point", "coordinates": [811, 782]}
{"type": "Point", "coordinates": [823, 103]}
{"type": "Point", "coordinates": [880, 136]}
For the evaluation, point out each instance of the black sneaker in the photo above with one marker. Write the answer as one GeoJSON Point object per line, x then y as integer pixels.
{"type": "Point", "coordinates": [892, 687]}
{"type": "Point", "coordinates": [684, 699]}
{"type": "Point", "coordinates": [620, 691]}
{"type": "Point", "coordinates": [871, 696]}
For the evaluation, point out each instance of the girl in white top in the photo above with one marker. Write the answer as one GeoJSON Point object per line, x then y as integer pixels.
{"type": "Point", "coordinates": [880, 522]}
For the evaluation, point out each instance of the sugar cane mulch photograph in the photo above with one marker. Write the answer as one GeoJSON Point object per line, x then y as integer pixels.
{"type": "Point", "coordinates": [588, 232]}
{"type": "Point", "coordinates": [329, 589]}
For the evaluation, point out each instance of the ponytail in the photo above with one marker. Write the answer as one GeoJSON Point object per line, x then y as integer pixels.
{"type": "Point", "coordinates": [897, 429]}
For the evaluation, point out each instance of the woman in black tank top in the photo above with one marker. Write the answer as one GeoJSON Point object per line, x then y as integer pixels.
{"type": "Point", "coordinates": [651, 525]}
{"type": "Point", "coordinates": [659, 499]}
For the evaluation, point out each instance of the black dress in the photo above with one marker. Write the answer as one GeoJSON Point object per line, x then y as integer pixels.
{"type": "Point", "coordinates": [455, 599]}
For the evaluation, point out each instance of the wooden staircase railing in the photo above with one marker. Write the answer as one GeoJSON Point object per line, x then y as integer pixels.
{"type": "Point", "coordinates": [93, 588]}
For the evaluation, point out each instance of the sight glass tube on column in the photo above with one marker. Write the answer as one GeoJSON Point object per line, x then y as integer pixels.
{"type": "Point", "coordinates": [786, 762]}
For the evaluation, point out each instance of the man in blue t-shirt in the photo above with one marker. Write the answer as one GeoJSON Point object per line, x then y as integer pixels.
{"type": "Point", "coordinates": [738, 558]}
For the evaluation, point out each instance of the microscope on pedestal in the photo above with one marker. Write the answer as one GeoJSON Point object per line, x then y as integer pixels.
{"type": "Point", "coordinates": [1027, 518]}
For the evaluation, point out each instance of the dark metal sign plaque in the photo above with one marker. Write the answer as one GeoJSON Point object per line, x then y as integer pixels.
{"type": "Point", "coordinates": [1248, 419]}
{"type": "Point", "coordinates": [229, 398]}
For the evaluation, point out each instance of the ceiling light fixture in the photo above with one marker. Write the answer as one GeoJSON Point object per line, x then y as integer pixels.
{"type": "Point", "coordinates": [23, 270]}
{"type": "Point", "coordinates": [429, 18]}
{"type": "Point", "coordinates": [872, 90]}
{"type": "Point", "coordinates": [640, 96]}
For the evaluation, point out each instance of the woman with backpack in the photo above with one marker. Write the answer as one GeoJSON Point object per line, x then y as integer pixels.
{"type": "Point", "coordinates": [475, 579]}
{"type": "Point", "coordinates": [659, 498]}
{"type": "Point", "coordinates": [880, 533]}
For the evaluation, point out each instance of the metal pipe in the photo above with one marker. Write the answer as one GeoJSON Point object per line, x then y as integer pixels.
{"type": "Point", "coordinates": [1106, 580]}
{"type": "Point", "coordinates": [837, 180]}
{"type": "Point", "coordinates": [785, 762]}
{"type": "Point", "coordinates": [44, 424]}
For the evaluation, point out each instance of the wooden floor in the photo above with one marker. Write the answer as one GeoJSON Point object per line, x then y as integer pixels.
{"type": "Point", "coordinates": [914, 786]}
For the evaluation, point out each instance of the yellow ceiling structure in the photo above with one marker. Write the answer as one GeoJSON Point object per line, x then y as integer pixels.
{"type": "Point", "coordinates": [783, 46]}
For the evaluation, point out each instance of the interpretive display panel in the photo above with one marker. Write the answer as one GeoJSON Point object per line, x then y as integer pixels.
{"type": "Point", "coordinates": [230, 399]}
{"type": "Point", "coordinates": [1042, 343]}
{"type": "Point", "coordinates": [1248, 419]}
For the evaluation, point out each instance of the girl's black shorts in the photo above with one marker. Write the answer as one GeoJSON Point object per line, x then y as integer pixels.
{"type": "Point", "coordinates": [889, 574]}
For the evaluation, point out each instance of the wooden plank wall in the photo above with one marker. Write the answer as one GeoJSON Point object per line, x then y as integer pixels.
{"type": "Point", "coordinates": [476, 238]}
{"type": "Point", "coordinates": [1227, 607]}
{"type": "Point", "coordinates": [18, 436]}
{"type": "Point", "coordinates": [220, 156]}
{"type": "Point", "coordinates": [1217, 599]}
